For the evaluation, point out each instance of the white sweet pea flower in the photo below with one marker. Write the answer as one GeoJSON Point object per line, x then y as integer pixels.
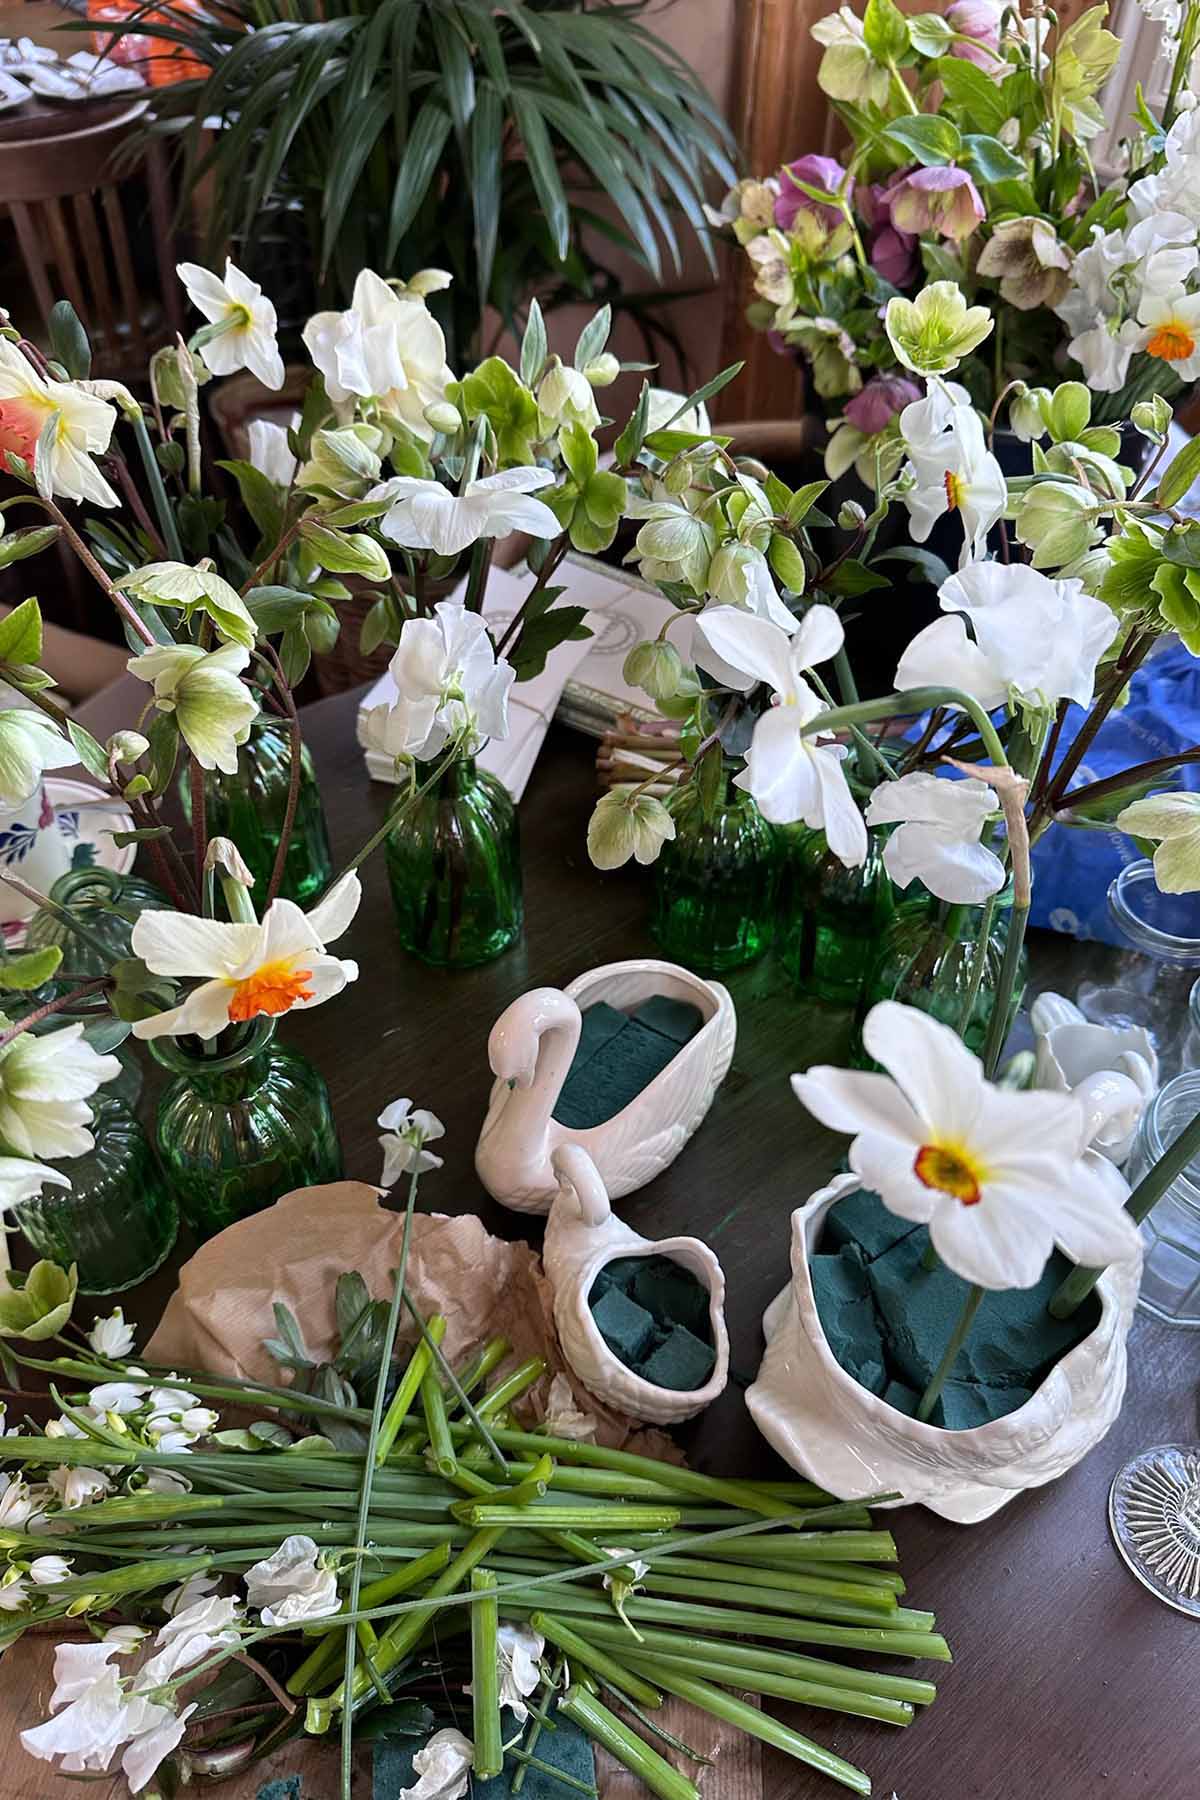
{"type": "Point", "coordinates": [563, 1418]}
{"type": "Point", "coordinates": [790, 776]}
{"type": "Point", "coordinates": [997, 1174]}
{"type": "Point", "coordinates": [405, 1134]}
{"type": "Point", "coordinates": [246, 969]}
{"type": "Point", "coordinates": [443, 1768]}
{"type": "Point", "coordinates": [213, 707]}
{"type": "Point", "coordinates": [424, 515]}
{"type": "Point", "coordinates": [1034, 637]}
{"type": "Point", "coordinates": [244, 318]}
{"type": "Point", "coordinates": [518, 1651]}
{"type": "Point", "coordinates": [111, 1336]}
{"type": "Point", "coordinates": [1174, 820]}
{"type": "Point", "coordinates": [387, 347]}
{"type": "Point", "coordinates": [100, 1716]}
{"type": "Point", "coordinates": [270, 452]}
{"type": "Point", "coordinates": [292, 1585]}
{"type": "Point", "coordinates": [79, 1486]}
{"type": "Point", "coordinates": [196, 1587]}
{"type": "Point", "coordinates": [626, 823]}
{"type": "Point", "coordinates": [450, 685]}
{"type": "Point", "coordinates": [938, 838]}
{"type": "Point", "coordinates": [28, 402]}
{"type": "Point", "coordinates": [45, 1570]}
{"type": "Point", "coordinates": [45, 1085]}
{"type": "Point", "coordinates": [30, 743]}
{"type": "Point", "coordinates": [951, 468]}
{"type": "Point", "coordinates": [190, 1634]}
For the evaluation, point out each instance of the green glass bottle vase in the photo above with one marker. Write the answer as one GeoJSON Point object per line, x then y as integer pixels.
{"type": "Point", "coordinates": [831, 918]}
{"type": "Point", "coordinates": [927, 959]}
{"type": "Point", "coordinates": [237, 1129]}
{"type": "Point", "coordinates": [118, 1221]}
{"type": "Point", "coordinates": [454, 865]}
{"type": "Point", "coordinates": [716, 879]}
{"type": "Point", "coordinates": [251, 808]}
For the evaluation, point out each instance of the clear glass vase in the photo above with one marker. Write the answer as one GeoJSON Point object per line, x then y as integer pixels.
{"type": "Point", "coordinates": [251, 809]}
{"type": "Point", "coordinates": [715, 881]}
{"type": "Point", "coordinates": [454, 864]}
{"type": "Point", "coordinates": [238, 1128]}
{"type": "Point", "coordinates": [1171, 1231]}
{"type": "Point", "coordinates": [927, 959]}
{"type": "Point", "coordinates": [831, 918]}
{"type": "Point", "coordinates": [118, 1221]}
{"type": "Point", "coordinates": [1152, 982]}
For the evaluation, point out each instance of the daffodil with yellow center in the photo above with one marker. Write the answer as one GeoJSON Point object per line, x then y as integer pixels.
{"type": "Point", "coordinates": [1171, 331]}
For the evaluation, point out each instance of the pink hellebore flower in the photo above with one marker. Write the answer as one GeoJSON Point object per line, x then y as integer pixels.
{"type": "Point", "coordinates": [940, 199]}
{"type": "Point", "coordinates": [978, 20]}
{"type": "Point", "coordinates": [883, 397]}
{"type": "Point", "coordinates": [892, 253]}
{"type": "Point", "coordinates": [819, 171]}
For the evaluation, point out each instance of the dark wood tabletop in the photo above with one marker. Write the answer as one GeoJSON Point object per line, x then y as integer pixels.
{"type": "Point", "coordinates": [1069, 1682]}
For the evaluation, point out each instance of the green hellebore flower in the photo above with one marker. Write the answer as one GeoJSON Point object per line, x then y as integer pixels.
{"type": "Point", "coordinates": [30, 743]}
{"type": "Point", "coordinates": [933, 333]}
{"type": "Point", "coordinates": [41, 1307]}
{"type": "Point", "coordinates": [213, 708]}
{"type": "Point", "coordinates": [1057, 521]}
{"type": "Point", "coordinates": [656, 667]}
{"type": "Point", "coordinates": [198, 589]}
{"type": "Point", "coordinates": [626, 823]}
{"type": "Point", "coordinates": [1174, 820]}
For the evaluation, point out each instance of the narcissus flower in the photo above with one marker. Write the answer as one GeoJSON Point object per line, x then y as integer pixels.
{"type": "Point", "coordinates": [998, 1175]}
{"type": "Point", "coordinates": [937, 840]}
{"type": "Point", "coordinates": [933, 333]}
{"type": "Point", "coordinates": [424, 515]}
{"type": "Point", "coordinates": [952, 469]}
{"type": "Point", "coordinates": [1171, 331]}
{"type": "Point", "coordinates": [247, 970]}
{"type": "Point", "coordinates": [1174, 819]}
{"type": "Point", "coordinates": [242, 323]}
{"type": "Point", "coordinates": [28, 402]}
{"type": "Point", "coordinates": [213, 708]}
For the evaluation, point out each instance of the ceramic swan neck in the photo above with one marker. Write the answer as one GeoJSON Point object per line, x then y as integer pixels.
{"type": "Point", "coordinates": [579, 1180]}
{"type": "Point", "coordinates": [532, 1046]}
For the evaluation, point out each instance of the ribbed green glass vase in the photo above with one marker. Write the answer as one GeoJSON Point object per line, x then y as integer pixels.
{"type": "Point", "coordinates": [454, 864]}
{"type": "Point", "coordinates": [237, 1129]}
{"type": "Point", "coordinates": [716, 879]}
{"type": "Point", "coordinates": [926, 959]}
{"type": "Point", "coordinates": [118, 1221]}
{"type": "Point", "coordinates": [251, 807]}
{"type": "Point", "coordinates": [831, 918]}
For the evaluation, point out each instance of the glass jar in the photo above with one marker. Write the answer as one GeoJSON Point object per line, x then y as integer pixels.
{"type": "Point", "coordinates": [238, 1128]}
{"type": "Point", "coordinates": [1171, 1231]}
{"type": "Point", "coordinates": [118, 1220]}
{"type": "Point", "coordinates": [926, 959]}
{"type": "Point", "coordinates": [1152, 981]}
{"type": "Point", "coordinates": [454, 865]}
{"type": "Point", "coordinates": [251, 807]}
{"type": "Point", "coordinates": [716, 880]}
{"type": "Point", "coordinates": [831, 917]}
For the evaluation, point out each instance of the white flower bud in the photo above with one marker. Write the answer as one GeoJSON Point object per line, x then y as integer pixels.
{"type": "Point", "coordinates": [603, 371]}
{"type": "Point", "coordinates": [443, 417]}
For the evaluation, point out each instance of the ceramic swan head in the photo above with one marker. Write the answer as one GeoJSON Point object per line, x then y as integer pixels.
{"type": "Point", "coordinates": [1112, 1070]}
{"type": "Point", "coordinates": [582, 1235]}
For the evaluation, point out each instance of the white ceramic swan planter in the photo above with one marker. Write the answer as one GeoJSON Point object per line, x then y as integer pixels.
{"type": "Point", "coordinates": [582, 1235]}
{"type": "Point", "coordinates": [531, 1048]}
{"type": "Point", "coordinates": [1112, 1069]}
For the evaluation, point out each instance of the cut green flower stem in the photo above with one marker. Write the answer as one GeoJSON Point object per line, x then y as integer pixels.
{"type": "Point", "coordinates": [485, 1681]}
{"type": "Point", "coordinates": [557, 1632]}
{"type": "Point", "coordinates": [407, 1390]}
{"type": "Point", "coordinates": [625, 1745]}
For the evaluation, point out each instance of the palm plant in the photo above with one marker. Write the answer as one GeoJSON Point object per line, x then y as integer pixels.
{"type": "Point", "coordinates": [469, 134]}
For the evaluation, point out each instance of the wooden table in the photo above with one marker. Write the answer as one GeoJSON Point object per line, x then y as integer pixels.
{"type": "Point", "coordinates": [1070, 1682]}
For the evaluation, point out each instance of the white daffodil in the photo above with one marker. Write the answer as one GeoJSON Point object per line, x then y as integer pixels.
{"type": "Point", "coordinates": [45, 1085]}
{"type": "Point", "coordinates": [1033, 637]}
{"type": "Point", "coordinates": [443, 1768]}
{"type": "Point", "coordinates": [997, 1174]}
{"type": "Point", "coordinates": [30, 743]}
{"type": "Point", "coordinates": [1171, 331]}
{"type": "Point", "coordinates": [563, 1418]}
{"type": "Point", "coordinates": [270, 452]}
{"type": "Point", "coordinates": [244, 321]}
{"type": "Point", "coordinates": [386, 347]}
{"type": "Point", "coordinates": [1174, 820]}
{"type": "Point", "coordinates": [952, 469]}
{"type": "Point", "coordinates": [790, 776]}
{"type": "Point", "coordinates": [450, 685]}
{"type": "Point", "coordinates": [403, 1144]}
{"type": "Point", "coordinates": [518, 1651]}
{"type": "Point", "coordinates": [79, 1486]}
{"type": "Point", "coordinates": [424, 515]}
{"type": "Point", "coordinates": [111, 1336]}
{"type": "Point", "coordinates": [937, 842]}
{"type": "Point", "coordinates": [63, 455]}
{"type": "Point", "coordinates": [213, 707]}
{"type": "Point", "coordinates": [627, 823]}
{"type": "Point", "coordinates": [45, 1570]}
{"type": "Point", "coordinates": [292, 1585]}
{"type": "Point", "coordinates": [246, 969]}
{"type": "Point", "coordinates": [194, 590]}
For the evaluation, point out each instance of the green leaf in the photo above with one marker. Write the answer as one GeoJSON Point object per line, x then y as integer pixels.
{"type": "Point", "coordinates": [593, 338]}
{"type": "Point", "coordinates": [543, 170]}
{"type": "Point", "coordinates": [164, 749]}
{"type": "Point", "coordinates": [458, 76]}
{"type": "Point", "coordinates": [30, 968]}
{"type": "Point", "coordinates": [295, 654]}
{"type": "Point", "coordinates": [91, 754]}
{"type": "Point", "coordinates": [69, 341]}
{"type": "Point", "coordinates": [346, 553]}
{"type": "Point", "coordinates": [275, 608]}
{"type": "Point", "coordinates": [991, 161]}
{"type": "Point", "coordinates": [929, 137]}
{"type": "Point", "coordinates": [1179, 477]}
{"type": "Point", "coordinates": [145, 834]}
{"type": "Point", "coordinates": [668, 444]}
{"type": "Point", "coordinates": [260, 497]}
{"type": "Point", "coordinates": [171, 456]}
{"type": "Point", "coordinates": [803, 500]}
{"type": "Point", "coordinates": [539, 636]}
{"type": "Point", "coordinates": [852, 578]}
{"type": "Point", "coordinates": [628, 446]}
{"type": "Point", "coordinates": [486, 169]}
{"type": "Point", "coordinates": [885, 30]}
{"type": "Point", "coordinates": [787, 562]}
{"type": "Point", "coordinates": [21, 630]}
{"type": "Point", "coordinates": [15, 546]}
{"type": "Point", "coordinates": [929, 33]}
{"type": "Point", "coordinates": [534, 345]}
{"type": "Point", "coordinates": [419, 165]}
{"type": "Point", "coordinates": [578, 448]}
{"type": "Point", "coordinates": [975, 94]}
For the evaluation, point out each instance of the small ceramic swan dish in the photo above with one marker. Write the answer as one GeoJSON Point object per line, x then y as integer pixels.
{"type": "Point", "coordinates": [583, 1238]}
{"type": "Point", "coordinates": [1112, 1069]}
{"type": "Point", "coordinates": [661, 1041]}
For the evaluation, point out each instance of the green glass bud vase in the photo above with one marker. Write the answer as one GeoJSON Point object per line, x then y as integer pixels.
{"type": "Point", "coordinates": [250, 808]}
{"type": "Point", "coordinates": [927, 959]}
{"type": "Point", "coordinates": [716, 879]}
{"type": "Point", "coordinates": [831, 918]}
{"type": "Point", "coordinates": [238, 1128]}
{"type": "Point", "coordinates": [118, 1221]}
{"type": "Point", "coordinates": [454, 864]}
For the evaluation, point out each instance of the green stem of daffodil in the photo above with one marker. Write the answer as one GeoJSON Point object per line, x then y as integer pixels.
{"type": "Point", "coordinates": [929, 1398]}
{"type": "Point", "coordinates": [163, 509]}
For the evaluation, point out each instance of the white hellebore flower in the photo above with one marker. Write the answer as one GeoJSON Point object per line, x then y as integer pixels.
{"type": "Point", "coordinates": [565, 397]}
{"type": "Point", "coordinates": [1034, 637]}
{"type": "Point", "coordinates": [387, 347]}
{"type": "Point", "coordinates": [790, 776]}
{"type": "Point", "coordinates": [246, 969]}
{"type": "Point", "coordinates": [45, 1085]}
{"type": "Point", "coordinates": [111, 1336]}
{"type": "Point", "coordinates": [1174, 819]}
{"type": "Point", "coordinates": [627, 823]}
{"type": "Point", "coordinates": [952, 468]}
{"type": "Point", "coordinates": [270, 452]}
{"type": "Point", "coordinates": [424, 515]}
{"type": "Point", "coordinates": [63, 457]}
{"type": "Point", "coordinates": [938, 838]}
{"type": "Point", "coordinates": [30, 743]}
{"type": "Point", "coordinates": [443, 1768]}
{"type": "Point", "coordinates": [449, 682]}
{"type": "Point", "coordinates": [518, 1650]}
{"type": "Point", "coordinates": [292, 1585]}
{"type": "Point", "coordinates": [195, 590]}
{"type": "Point", "coordinates": [996, 1174]}
{"type": "Point", "coordinates": [245, 321]}
{"type": "Point", "coordinates": [213, 707]}
{"type": "Point", "coordinates": [405, 1134]}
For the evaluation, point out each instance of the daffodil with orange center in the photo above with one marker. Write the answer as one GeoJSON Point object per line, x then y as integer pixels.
{"type": "Point", "coordinates": [1171, 331]}
{"type": "Point", "coordinates": [57, 423]}
{"type": "Point", "coordinates": [246, 971]}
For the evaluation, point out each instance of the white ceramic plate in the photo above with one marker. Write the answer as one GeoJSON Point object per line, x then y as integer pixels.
{"type": "Point", "coordinates": [86, 826]}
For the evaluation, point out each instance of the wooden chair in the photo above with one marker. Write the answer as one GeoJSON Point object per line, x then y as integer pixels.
{"type": "Point", "coordinates": [72, 206]}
